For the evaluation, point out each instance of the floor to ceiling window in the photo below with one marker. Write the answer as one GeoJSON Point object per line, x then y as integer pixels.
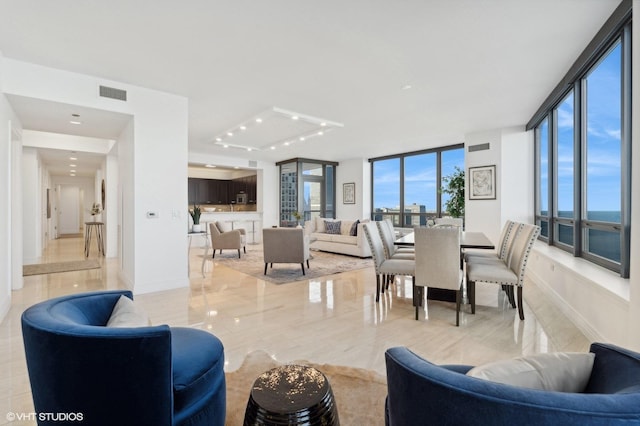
{"type": "Point", "coordinates": [307, 188]}
{"type": "Point", "coordinates": [583, 161]}
{"type": "Point", "coordinates": [406, 187]}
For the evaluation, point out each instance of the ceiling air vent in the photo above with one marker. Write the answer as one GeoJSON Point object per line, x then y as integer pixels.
{"type": "Point", "coordinates": [479, 147]}
{"type": "Point", "coordinates": [253, 163]}
{"type": "Point", "coordinates": [110, 92]}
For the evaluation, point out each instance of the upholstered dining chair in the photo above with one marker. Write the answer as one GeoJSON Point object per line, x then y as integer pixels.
{"type": "Point", "coordinates": [438, 264]}
{"type": "Point", "coordinates": [285, 245]}
{"type": "Point", "coordinates": [449, 221]}
{"type": "Point", "coordinates": [384, 266]}
{"type": "Point", "coordinates": [222, 239]}
{"type": "Point", "coordinates": [391, 251]}
{"type": "Point", "coordinates": [502, 248]}
{"type": "Point", "coordinates": [509, 272]}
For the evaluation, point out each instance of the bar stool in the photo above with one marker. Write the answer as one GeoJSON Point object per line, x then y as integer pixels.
{"type": "Point", "coordinates": [96, 227]}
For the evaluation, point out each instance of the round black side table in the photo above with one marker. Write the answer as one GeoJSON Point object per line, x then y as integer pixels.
{"type": "Point", "coordinates": [291, 395]}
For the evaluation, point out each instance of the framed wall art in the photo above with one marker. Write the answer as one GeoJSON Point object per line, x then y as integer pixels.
{"type": "Point", "coordinates": [349, 193]}
{"type": "Point", "coordinates": [482, 183]}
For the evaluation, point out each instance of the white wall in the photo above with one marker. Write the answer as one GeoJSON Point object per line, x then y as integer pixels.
{"type": "Point", "coordinates": [356, 171]}
{"type": "Point", "coordinates": [157, 248]}
{"type": "Point", "coordinates": [110, 213]}
{"type": "Point", "coordinates": [31, 207]}
{"type": "Point", "coordinates": [484, 215]}
{"type": "Point", "coordinates": [10, 277]}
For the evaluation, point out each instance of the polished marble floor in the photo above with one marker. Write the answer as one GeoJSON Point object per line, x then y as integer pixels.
{"type": "Point", "coordinates": [330, 320]}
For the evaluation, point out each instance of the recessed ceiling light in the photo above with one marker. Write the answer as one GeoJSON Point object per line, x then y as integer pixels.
{"type": "Point", "coordinates": [406, 87]}
{"type": "Point", "coordinates": [258, 120]}
{"type": "Point", "coordinates": [249, 149]}
{"type": "Point", "coordinates": [72, 158]}
{"type": "Point", "coordinates": [219, 139]}
{"type": "Point", "coordinates": [273, 147]}
{"type": "Point", "coordinates": [229, 134]}
{"type": "Point", "coordinates": [211, 166]}
{"type": "Point", "coordinates": [225, 146]}
{"type": "Point", "coordinates": [72, 165]}
{"type": "Point", "coordinates": [243, 127]}
{"type": "Point", "coordinates": [320, 133]}
{"type": "Point", "coordinates": [286, 143]}
{"type": "Point", "coordinates": [236, 167]}
{"type": "Point", "coordinates": [302, 138]}
{"type": "Point", "coordinates": [75, 122]}
{"type": "Point", "coordinates": [323, 124]}
{"type": "Point", "coordinates": [295, 117]}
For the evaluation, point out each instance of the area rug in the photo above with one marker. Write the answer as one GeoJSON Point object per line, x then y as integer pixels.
{"type": "Point", "coordinates": [321, 264]}
{"type": "Point", "coordinates": [52, 268]}
{"type": "Point", "coordinates": [359, 393]}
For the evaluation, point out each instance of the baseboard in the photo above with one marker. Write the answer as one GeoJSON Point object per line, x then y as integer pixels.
{"type": "Point", "coordinates": [5, 305]}
{"type": "Point", "coordinates": [580, 322]}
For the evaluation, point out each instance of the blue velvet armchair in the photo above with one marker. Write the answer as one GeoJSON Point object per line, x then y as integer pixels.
{"type": "Point", "coordinates": [156, 375]}
{"type": "Point", "coordinates": [420, 392]}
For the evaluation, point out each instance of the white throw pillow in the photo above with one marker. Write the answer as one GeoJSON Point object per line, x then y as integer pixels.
{"type": "Point", "coordinates": [558, 371]}
{"type": "Point", "coordinates": [223, 226]}
{"type": "Point", "coordinates": [128, 314]}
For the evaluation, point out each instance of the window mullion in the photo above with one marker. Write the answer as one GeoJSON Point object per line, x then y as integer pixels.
{"type": "Point", "coordinates": [578, 111]}
{"type": "Point", "coordinates": [551, 180]}
{"type": "Point", "coordinates": [625, 154]}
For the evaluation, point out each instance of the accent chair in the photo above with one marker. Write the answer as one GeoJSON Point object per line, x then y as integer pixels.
{"type": "Point", "coordinates": [142, 375]}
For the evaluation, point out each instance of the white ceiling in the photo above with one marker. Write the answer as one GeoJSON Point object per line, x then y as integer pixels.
{"type": "Point", "coordinates": [472, 64]}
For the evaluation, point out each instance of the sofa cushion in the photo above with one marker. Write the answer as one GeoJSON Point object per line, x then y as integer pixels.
{"type": "Point", "coordinates": [127, 314]}
{"type": "Point", "coordinates": [558, 371]}
{"type": "Point", "coordinates": [343, 239]}
{"type": "Point", "coordinates": [198, 362]}
{"type": "Point", "coordinates": [354, 229]}
{"type": "Point", "coordinates": [332, 227]}
{"type": "Point", "coordinates": [345, 226]}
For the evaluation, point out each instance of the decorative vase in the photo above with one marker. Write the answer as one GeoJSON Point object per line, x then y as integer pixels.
{"type": "Point", "coordinates": [196, 228]}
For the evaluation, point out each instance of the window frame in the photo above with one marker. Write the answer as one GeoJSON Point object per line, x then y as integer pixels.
{"type": "Point", "coordinates": [398, 218]}
{"type": "Point", "coordinates": [616, 30]}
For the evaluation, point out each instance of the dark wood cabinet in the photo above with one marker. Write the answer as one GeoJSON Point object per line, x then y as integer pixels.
{"type": "Point", "coordinates": [217, 191]}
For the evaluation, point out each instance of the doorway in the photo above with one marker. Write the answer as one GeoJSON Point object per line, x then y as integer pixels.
{"type": "Point", "coordinates": [69, 210]}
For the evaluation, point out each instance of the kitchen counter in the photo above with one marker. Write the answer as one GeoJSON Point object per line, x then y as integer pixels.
{"type": "Point", "coordinates": [251, 221]}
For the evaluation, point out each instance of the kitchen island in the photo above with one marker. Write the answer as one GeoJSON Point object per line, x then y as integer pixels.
{"type": "Point", "coordinates": [251, 221]}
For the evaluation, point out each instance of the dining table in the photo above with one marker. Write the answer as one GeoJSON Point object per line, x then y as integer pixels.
{"type": "Point", "coordinates": [468, 240]}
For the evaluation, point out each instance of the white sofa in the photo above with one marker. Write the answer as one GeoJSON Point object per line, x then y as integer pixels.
{"type": "Point", "coordinates": [342, 243]}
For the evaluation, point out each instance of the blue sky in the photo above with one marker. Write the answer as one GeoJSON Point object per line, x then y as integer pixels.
{"type": "Point", "coordinates": [603, 139]}
{"type": "Point", "coordinates": [420, 179]}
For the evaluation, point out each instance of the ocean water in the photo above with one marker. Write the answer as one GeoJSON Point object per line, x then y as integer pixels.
{"type": "Point", "coordinates": [601, 243]}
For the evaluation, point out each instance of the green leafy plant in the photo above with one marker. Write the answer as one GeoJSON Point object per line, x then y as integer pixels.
{"type": "Point", "coordinates": [195, 214]}
{"type": "Point", "coordinates": [454, 186]}
{"type": "Point", "coordinates": [297, 215]}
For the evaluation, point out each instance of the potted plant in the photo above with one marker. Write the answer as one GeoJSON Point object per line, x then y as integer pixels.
{"type": "Point", "coordinates": [454, 186]}
{"type": "Point", "coordinates": [195, 215]}
{"type": "Point", "coordinates": [298, 217]}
